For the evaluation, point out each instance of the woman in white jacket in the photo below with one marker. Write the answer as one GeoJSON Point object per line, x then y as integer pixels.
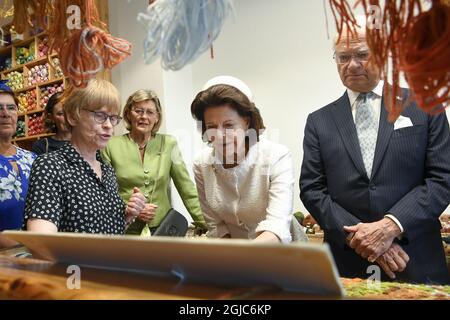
{"type": "Point", "coordinates": [245, 182]}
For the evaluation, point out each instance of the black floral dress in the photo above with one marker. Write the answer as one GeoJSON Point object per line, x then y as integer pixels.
{"type": "Point", "coordinates": [66, 191]}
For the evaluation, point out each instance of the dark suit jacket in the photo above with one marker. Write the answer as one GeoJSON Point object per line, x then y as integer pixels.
{"type": "Point", "coordinates": [410, 180]}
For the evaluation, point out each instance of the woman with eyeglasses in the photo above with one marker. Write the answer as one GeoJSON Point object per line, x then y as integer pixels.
{"type": "Point", "coordinates": [149, 160]}
{"type": "Point", "coordinates": [72, 189]}
{"type": "Point", "coordinates": [15, 165]}
{"type": "Point", "coordinates": [55, 121]}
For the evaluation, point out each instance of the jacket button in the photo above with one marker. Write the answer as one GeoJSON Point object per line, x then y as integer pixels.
{"type": "Point", "coordinates": [147, 183]}
{"type": "Point", "coordinates": [373, 187]}
{"type": "Point", "coordinates": [146, 171]}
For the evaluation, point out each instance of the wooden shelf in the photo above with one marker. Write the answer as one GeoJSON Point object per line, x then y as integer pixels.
{"type": "Point", "coordinates": [35, 62]}
{"type": "Point", "coordinates": [25, 89]}
{"type": "Point", "coordinates": [31, 112]}
{"type": "Point", "coordinates": [30, 64]}
{"type": "Point", "coordinates": [37, 137]}
{"type": "Point", "coordinates": [50, 82]}
{"type": "Point", "coordinates": [10, 51]}
{"type": "Point", "coordinates": [5, 72]}
{"type": "Point", "coordinates": [4, 50]}
{"type": "Point", "coordinates": [24, 42]}
{"type": "Point", "coordinates": [40, 84]}
{"type": "Point", "coordinates": [18, 43]}
{"type": "Point", "coordinates": [40, 34]}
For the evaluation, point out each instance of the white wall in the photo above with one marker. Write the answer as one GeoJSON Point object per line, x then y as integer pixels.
{"type": "Point", "coordinates": [132, 74]}
{"type": "Point", "coordinates": [173, 88]}
{"type": "Point", "coordinates": [279, 48]}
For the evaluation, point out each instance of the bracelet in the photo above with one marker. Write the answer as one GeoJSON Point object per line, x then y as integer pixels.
{"type": "Point", "coordinates": [131, 221]}
{"type": "Point", "coordinates": [127, 224]}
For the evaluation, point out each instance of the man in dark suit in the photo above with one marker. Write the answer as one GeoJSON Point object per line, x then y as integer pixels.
{"type": "Point", "coordinates": [377, 188]}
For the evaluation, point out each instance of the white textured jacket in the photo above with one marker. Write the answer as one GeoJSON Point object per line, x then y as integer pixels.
{"type": "Point", "coordinates": [255, 196]}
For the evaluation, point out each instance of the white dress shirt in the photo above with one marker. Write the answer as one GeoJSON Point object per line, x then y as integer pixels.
{"type": "Point", "coordinates": [375, 102]}
{"type": "Point", "coordinates": [255, 196]}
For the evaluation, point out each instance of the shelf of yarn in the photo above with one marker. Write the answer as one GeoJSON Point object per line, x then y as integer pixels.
{"type": "Point", "coordinates": [34, 75]}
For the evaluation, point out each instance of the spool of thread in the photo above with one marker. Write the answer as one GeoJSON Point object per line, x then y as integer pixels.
{"type": "Point", "coordinates": [43, 47]}
{"type": "Point", "coordinates": [36, 124]}
{"type": "Point", "coordinates": [38, 74]}
{"type": "Point", "coordinates": [48, 91]}
{"type": "Point", "coordinates": [15, 80]}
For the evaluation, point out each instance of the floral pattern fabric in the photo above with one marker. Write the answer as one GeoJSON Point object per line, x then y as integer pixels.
{"type": "Point", "coordinates": [13, 188]}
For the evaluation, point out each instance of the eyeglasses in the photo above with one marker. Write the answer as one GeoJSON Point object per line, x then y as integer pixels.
{"type": "Point", "coordinates": [101, 117]}
{"type": "Point", "coordinates": [344, 58]}
{"type": "Point", "coordinates": [10, 108]}
{"type": "Point", "coordinates": [140, 112]}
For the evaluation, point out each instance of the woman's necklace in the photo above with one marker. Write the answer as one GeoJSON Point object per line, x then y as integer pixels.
{"type": "Point", "coordinates": [10, 151]}
{"type": "Point", "coordinates": [141, 147]}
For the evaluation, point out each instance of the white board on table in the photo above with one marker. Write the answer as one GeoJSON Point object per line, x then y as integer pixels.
{"type": "Point", "coordinates": [300, 267]}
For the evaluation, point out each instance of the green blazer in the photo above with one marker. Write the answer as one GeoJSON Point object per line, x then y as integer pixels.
{"type": "Point", "coordinates": [163, 152]}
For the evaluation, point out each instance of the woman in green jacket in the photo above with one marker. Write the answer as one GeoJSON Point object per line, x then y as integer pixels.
{"type": "Point", "coordinates": [148, 160]}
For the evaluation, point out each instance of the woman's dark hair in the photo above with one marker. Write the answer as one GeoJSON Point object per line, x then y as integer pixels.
{"type": "Point", "coordinates": [52, 102]}
{"type": "Point", "coordinates": [12, 94]}
{"type": "Point", "coordinates": [223, 94]}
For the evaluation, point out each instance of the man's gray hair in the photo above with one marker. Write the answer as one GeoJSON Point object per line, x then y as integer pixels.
{"type": "Point", "coordinates": [361, 29]}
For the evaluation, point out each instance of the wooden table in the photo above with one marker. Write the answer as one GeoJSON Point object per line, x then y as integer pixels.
{"type": "Point", "coordinates": [25, 278]}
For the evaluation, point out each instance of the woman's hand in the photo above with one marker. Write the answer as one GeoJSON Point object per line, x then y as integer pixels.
{"type": "Point", "coordinates": [148, 213]}
{"type": "Point", "coordinates": [135, 205]}
{"type": "Point", "coordinates": [267, 236]}
{"type": "Point", "coordinates": [6, 243]}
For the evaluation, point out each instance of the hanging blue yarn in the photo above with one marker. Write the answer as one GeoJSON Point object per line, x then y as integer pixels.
{"type": "Point", "coordinates": [181, 30]}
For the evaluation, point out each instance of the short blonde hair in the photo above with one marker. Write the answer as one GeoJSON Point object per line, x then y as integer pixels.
{"type": "Point", "coordinates": [98, 94]}
{"type": "Point", "coordinates": [141, 96]}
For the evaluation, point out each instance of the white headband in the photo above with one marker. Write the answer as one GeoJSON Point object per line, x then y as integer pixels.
{"type": "Point", "coordinates": [230, 81]}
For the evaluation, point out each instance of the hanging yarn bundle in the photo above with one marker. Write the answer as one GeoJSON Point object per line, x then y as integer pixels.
{"type": "Point", "coordinates": [417, 43]}
{"type": "Point", "coordinates": [344, 18]}
{"type": "Point", "coordinates": [58, 26]}
{"type": "Point", "coordinates": [21, 14]}
{"type": "Point", "coordinates": [385, 43]}
{"type": "Point", "coordinates": [84, 52]}
{"type": "Point", "coordinates": [85, 48]}
{"type": "Point", "coordinates": [29, 14]}
{"type": "Point", "coordinates": [88, 51]}
{"type": "Point", "coordinates": [179, 31]}
{"type": "Point", "coordinates": [6, 9]}
{"type": "Point", "coordinates": [425, 58]}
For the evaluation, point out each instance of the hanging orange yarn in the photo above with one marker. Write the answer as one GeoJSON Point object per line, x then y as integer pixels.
{"type": "Point", "coordinates": [57, 26]}
{"type": "Point", "coordinates": [417, 43]}
{"type": "Point", "coordinates": [21, 17]}
{"type": "Point", "coordinates": [29, 14]}
{"type": "Point", "coordinates": [87, 51]}
{"type": "Point", "coordinates": [84, 50]}
{"type": "Point", "coordinates": [7, 9]}
{"type": "Point", "coordinates": [385, 44]}
{"type": "Point", "coordinates": [344, 18]}
{"type": "Point", "coordinates": [425, 58]}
